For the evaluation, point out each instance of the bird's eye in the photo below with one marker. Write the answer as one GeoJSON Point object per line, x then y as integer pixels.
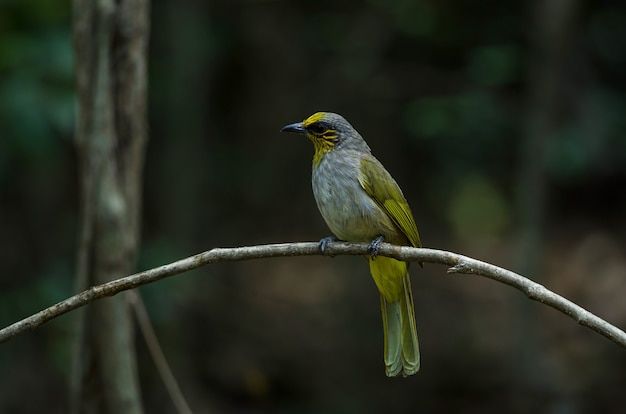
{"type": "Point", "coordinates": [317, 128]}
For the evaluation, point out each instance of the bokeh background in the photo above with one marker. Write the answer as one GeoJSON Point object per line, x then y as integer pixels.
{"type": "Point", "coordinates": [503, 122]}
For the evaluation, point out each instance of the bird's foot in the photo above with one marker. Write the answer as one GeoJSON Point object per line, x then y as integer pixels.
{"type": "Point", "coordinates": [324, 243]}
{"type": "Point", "coordinates": [374, 246]}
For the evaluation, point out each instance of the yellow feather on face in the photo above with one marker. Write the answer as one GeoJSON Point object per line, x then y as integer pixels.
{"type": "Point", "coordinates": [321, 142]}
{"type": "Point", "coordinates": [316, 117]}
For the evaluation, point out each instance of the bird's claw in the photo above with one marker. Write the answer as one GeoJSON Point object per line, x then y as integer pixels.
{"type": "Point", "coordinates": [374, 246]}
{"type": "Point", "coordinates": [325, 242]}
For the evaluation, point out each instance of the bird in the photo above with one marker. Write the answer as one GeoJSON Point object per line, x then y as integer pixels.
{"type": "Point", "coordinates": [361, 202]}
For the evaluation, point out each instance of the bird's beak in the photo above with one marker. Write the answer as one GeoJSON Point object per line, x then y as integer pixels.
{"type": "Point", "coordinates": [297, 128]}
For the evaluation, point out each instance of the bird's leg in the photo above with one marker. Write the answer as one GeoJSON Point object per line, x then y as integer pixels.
{"type": "Point", "coordinates": [325, 241]}
{"type": "Point", "coordinates": [375, 246]}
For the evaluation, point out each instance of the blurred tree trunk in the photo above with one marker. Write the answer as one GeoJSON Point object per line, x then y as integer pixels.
{"type": "Point", "coordinates": [551, 32]}
{"type": "Point", "coordinates": [110, 42]}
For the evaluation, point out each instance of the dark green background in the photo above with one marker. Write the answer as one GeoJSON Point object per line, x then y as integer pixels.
{"type": "Point", "coordinates": [441, 90]}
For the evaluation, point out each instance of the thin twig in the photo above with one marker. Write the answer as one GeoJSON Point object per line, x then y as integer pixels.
{"type": "Point", "coordinates": [171, 385]}
{"type": "Point", "coordinates": [457, 263]}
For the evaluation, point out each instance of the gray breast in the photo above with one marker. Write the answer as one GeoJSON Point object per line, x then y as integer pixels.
{"type": "Point", "coordinates": [348, 210]}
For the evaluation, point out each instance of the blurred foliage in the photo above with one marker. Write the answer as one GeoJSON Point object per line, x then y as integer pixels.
{"type": "Point", "coordinates": [440, 92]}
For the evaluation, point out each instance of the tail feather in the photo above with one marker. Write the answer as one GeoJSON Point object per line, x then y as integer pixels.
{"type": "Point", "coordinates": [392, 327]}
{"type": "Point", "coordinates": [410, 344]}
{"type": "Point", "coordinates": [401, 347]}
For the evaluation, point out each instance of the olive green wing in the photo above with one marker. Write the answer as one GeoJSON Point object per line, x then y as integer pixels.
{"type": "Point", "coordinates": [384, 190]}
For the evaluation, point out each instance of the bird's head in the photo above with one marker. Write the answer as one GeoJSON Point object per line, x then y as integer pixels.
{"type": "Point", "coordinates": [328, 131]}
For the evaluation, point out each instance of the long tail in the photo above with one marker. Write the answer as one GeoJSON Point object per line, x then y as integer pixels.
{"type": "Point", "coordinates": [396, 302]}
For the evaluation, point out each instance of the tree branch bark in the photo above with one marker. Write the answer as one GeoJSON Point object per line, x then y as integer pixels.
{"type": "Point", "coordinates": [458, 264]}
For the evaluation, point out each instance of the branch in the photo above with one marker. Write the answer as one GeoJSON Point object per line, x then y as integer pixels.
{"type": "Point", "coordinates": [457, 263]}
{"type": "Point", "coordinates": [155, 350]}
